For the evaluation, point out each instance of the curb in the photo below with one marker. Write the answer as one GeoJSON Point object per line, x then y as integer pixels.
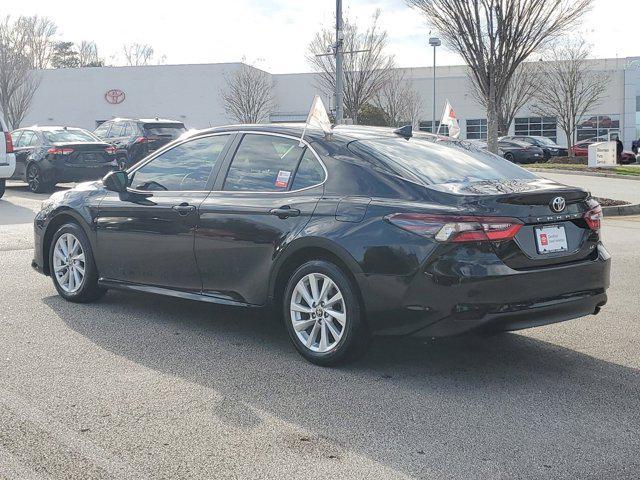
{"type": "Point", "coordinates": [587, 174]}
{"type": "Point", "coordinates": [621, 210]}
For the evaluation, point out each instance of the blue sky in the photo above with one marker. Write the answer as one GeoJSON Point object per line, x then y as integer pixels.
{"type": "Point", "coordinates": [274, 33]}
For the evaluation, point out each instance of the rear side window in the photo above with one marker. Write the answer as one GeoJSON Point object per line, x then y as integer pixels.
{"type": "Point", "coordinates": [172, 130]}
{"type": "Point", "coordinates": [185, 167]}
{"type": "Point", "coordinates": [117, 130]}
{"type": "Point", "coordinates": [435, 162]}
{"type": "Point", "coordinates": [27, 139]}
{"type": "Point", "coordinates": [15, 138]}
{"type": "Point", "coordinates": [263, 163]}
{"type": "Point", "coordinates": [309, 173]}
{"type": "Point", "coordinates": [103, 130]}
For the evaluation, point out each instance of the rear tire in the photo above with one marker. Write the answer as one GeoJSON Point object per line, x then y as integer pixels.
{"type": "Point", "coordinates": [72, 266]}
{"type": "Point", "coordinates": [324, 320]}
{"type": "Point", "coordinates": [3, 186]}
{"type": "Point", "coordinates": [35, 180]}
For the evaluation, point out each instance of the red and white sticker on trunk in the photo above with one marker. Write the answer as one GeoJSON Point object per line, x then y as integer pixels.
{"type": "Point", "coordinates": [282, 181]}
{"type": "Point", "coordinates": [551, 239]}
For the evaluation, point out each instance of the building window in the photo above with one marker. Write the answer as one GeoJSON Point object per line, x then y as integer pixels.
{"type": "Point", "coordinates": [426, 127]}
{"type": "Point", "coordinates": [477, 129]}
{"type": "Point", "coordinates": [598, 127]}
{"type": "Point", "coordinates": [538, 127]}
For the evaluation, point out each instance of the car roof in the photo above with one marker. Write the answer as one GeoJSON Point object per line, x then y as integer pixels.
{"type": "Point", "coordinates": [48, 128]}
{"type": "Point", "coordinates": [340, 133]}
{"type": "Point", "coordinates": [144, 120]}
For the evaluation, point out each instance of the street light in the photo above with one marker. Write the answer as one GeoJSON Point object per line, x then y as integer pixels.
{"type": "Point", "coordinates": [435, 43]}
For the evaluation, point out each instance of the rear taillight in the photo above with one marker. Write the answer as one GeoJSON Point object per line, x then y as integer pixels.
{"type": "Point", "coordinates": [449, 228]}
{"type": "Point", "coordinates": [594, 218]}
{"type": "Point", "coordinates": [8, 141]}
{"type": "Point", "coordinates": [60, 151]}
{"type": "Point", "coordinates": [141, 140]}
{"type": "Point", "coordinates": [110, 150]}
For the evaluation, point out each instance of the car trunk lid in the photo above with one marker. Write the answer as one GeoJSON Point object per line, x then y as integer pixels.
{"type": "Point", "coordinates": [554, 229]}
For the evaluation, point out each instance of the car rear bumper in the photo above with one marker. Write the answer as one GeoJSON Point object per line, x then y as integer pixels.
{"type": "Point", "coordinates": [435, 302]}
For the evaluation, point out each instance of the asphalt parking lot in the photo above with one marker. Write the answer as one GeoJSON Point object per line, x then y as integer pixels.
{"type": "Point", "coordinates": [140, 386]}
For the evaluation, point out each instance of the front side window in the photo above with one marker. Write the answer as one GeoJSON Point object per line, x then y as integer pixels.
{"type": "Point", "coordinates": [185, 167]}
{"type": "Point", "coordinates": [263, 163]}
{"type": "Point", "coordinates": [116, 130]}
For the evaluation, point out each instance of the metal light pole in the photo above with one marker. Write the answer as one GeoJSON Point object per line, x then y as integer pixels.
{"type": "Point", "coordinates": [339, 71]}
{"type": "Point", "coordinates": [434, 42]}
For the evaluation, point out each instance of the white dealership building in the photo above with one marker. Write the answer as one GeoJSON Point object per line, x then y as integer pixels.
{"type": "Point", "coordinates": [85, 97]}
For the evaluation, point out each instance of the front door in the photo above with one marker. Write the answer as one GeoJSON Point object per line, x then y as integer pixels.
{"type": "Point", "coordinates": [146, 235]}
{"type": "Point", "coordinates": [270, 191]}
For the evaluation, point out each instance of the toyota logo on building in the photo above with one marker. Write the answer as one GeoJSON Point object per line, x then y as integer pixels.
{"type": "Point", "coordinates": [114, 96]}
{"type": "Point", "coordinates": [558, 204]}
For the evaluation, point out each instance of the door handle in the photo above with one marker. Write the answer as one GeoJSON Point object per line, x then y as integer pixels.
{"type": "Point", "coordinates": [184, 209]}
{"type": "Point", "coordinates": [285, 212]}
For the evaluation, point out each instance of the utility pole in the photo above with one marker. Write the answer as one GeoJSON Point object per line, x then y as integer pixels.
{"type": "Point", "coordinates": [435, 43]}
{"type": "Point", "coordinates": [339, 68]}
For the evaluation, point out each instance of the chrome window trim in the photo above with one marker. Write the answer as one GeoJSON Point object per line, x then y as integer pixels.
{"type": "Point", "coordinates": [243, 132]}
{"type": "Point", "coordinates": [231, 132]}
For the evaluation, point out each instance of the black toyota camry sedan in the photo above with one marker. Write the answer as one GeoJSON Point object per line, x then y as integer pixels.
{"type": "Point", "coordinates": [365, 231]}
{"type": "Point", "coordinates": [49, 155]}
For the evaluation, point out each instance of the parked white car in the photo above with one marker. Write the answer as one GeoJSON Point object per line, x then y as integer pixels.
{"type": "Point", "coordinates": [7, 157]}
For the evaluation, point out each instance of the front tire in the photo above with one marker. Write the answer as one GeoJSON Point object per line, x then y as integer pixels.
{"type": "Point", "coordinates": [508, 156]}
{"type": "Point", "coordinates": [322, 314]}
{"type": "Point", "coordinates": [72, 267]}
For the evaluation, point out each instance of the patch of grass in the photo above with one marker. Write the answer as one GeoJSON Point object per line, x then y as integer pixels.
{"type": "Point", "coordinates": [632, 170]}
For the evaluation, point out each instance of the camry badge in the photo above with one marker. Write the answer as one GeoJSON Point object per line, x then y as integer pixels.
{"type": "Point", "coordinates": [558, 204]}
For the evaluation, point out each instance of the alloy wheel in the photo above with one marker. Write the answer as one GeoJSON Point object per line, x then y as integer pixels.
{"type": "Point", "coordinates": [69, 263]}
{"type": "Point", "coordinates": [318, 312]}
{"type": "Point", "coordinates": [33, 178]}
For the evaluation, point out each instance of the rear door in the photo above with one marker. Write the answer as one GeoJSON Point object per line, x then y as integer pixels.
{"type": "Point", "coordinates": [264, 197]}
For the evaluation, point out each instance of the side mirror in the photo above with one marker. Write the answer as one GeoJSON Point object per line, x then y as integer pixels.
{"type": "Point", "coordinates": [116, 181]}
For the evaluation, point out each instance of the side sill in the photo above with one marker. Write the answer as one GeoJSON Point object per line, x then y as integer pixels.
{"type": "Point", "coordinates": [168, 292]}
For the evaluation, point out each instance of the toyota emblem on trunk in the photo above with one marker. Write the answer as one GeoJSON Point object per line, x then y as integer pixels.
{"type": "Point", "coordinates": [558, 204]}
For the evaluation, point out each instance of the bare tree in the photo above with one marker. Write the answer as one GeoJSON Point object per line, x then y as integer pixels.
{"type": "Point", "coordinates": [18, 80]}
{"type": "Point", "coordinates": [495, 36]}
{"type": "Point", "coordinates": [88, 55]}
{"type": "Point", "coordinates": [568, 87]}
{"type": "Point", "coordinates": [138, 54]}
{"type": "Point", "coordinates": [365, 72]}
{"type": "Point", "coordinates": [399, 100]}
{"type": "Point", "coordinates": [519, 92]}
{"type": "Point", "coordinates": [39, 32]}
{"type": "Point", "coordinates": [248, 95]}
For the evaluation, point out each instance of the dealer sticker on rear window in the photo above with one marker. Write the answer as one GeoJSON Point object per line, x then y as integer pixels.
{"type": "Point", "coordinates": [283, 178]}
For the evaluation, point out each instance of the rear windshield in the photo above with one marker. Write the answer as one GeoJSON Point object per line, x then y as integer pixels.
{"type": "Point", "coordinates": [173, 130]}
{"type": "Point", "coordinates": [435, 162]}
{"type": "Point", "coordinates": [62, 136]}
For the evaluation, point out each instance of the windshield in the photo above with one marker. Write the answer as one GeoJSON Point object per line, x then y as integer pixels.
{"type": "Point", "coordinates": [438, 162]}
{"type": "Point", "coordinates": [68, 136]}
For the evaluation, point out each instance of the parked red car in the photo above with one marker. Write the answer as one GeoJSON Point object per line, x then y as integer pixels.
{"type": "Point", "coordinates": [581, 149]}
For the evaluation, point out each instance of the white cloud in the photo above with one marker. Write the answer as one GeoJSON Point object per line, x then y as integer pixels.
{"type": "Point", "coordinates": [276, 32]}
